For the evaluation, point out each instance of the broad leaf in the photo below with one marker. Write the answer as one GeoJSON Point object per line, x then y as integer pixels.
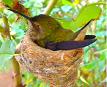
{"type": "Point", "coordinates": [87, 13]}
{"type": "Point", "coordinates": [7, 50]}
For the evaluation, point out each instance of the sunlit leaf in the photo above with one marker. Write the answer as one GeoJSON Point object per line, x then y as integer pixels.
{"type": "Point", "coordinates": [87, 13]}
{"type": "Point", "coordinates": [7, 50]}
{"type": "Point", "coordinates": [8, 2]}
{"type": "Point", "coordinates": [7, 47]}
{"type": "Point", "coordinates": [66, 2]}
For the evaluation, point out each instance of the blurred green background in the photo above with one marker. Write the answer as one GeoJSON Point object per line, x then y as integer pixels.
{"type": "Point", "coordinates": [92, 71]}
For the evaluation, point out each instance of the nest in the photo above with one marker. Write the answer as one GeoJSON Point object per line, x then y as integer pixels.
{"type": "Point", "coordinates": [57, 67]}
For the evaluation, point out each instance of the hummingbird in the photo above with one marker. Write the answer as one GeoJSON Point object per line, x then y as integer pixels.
{"type": "Point", "coordinates": [48, 33]}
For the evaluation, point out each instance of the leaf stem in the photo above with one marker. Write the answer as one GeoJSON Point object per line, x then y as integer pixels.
{"type": "Point", "coordinates": [50, 6]}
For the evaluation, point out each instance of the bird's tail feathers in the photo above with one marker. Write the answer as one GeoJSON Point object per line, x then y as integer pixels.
{"type": "Point", "coordinates": [80, 35]}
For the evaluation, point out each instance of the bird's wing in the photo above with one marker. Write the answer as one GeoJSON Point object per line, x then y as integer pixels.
{"type": "Point", "coordinates": [69, 45]}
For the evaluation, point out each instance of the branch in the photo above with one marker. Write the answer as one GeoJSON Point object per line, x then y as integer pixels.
{"type": "Point", "coordinates": [17, 77]}
{"type": "Point", "coordinates": [50, 6]}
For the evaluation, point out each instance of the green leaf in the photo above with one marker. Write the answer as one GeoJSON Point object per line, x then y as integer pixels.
{"type": "Point", "coordinates": [90, 66]}
{"type": "Point", "coordinates": [38, 82]}
{"type": "Point", "coordinates": [10, 15]}
{"type": "Point", "coordinates": [42, 84]}
{"type": "Point", "coordinates": [7, 47]}
{"type": "Point", "coordinates": [8, 2]}
{"type": "Point", "coordinates": [7, 50]}
{"type": "Point", "coordinates": [66, 2]}
{"type": "Point", "coordinates": [87, 13]}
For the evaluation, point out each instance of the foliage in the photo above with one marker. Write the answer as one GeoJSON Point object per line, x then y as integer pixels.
{"type": "Point", "coordinates": [84, 16]}
{"type": "Point", "coordinates": [31, 81]}
{"type": "Point", "coordinates": [7, 51]}
{"type": "Point", "coordinates": [92, 71]}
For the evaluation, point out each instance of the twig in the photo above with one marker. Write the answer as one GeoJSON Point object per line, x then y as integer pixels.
{"type": "Point", "coordinates": [17, 77]}
{"type": "Point", "coordinates": [50, 6]}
